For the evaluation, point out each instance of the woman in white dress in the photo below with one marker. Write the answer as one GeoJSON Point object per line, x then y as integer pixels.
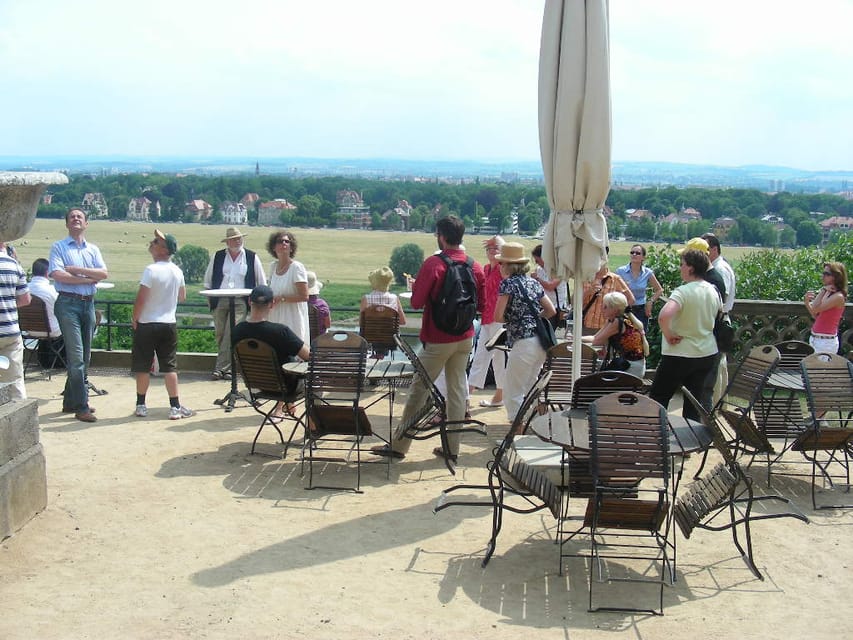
{"type": "Point", "coordinates": [289, 283]}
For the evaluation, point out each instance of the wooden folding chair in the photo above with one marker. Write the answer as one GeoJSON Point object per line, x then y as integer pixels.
{"type": "Point", "coordinates": [268, 386]}
{"type": "Point", "coordinates": [827, 440]}
{"type": "Point", "coordinates": [35, 330]}
{"type": "Point", "coordinates": [378, 325]}
{"type": "Point", "coordinates": [631, 472]}
{"type": "Point", "coordinates": [726, 489]}
{"type": "Point", "coordinates": [558, 393]}
{"type": "Point", "coordinates": [511, 477]}
{"type": "Point", "coordinates": [336, 376]}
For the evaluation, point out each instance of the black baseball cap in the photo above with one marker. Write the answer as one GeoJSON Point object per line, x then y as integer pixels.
{"type": "Point", "coordinates": [261, 294]}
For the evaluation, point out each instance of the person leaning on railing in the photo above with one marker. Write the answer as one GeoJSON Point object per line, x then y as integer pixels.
{"type": "Point", "coordinates": [826, 306]}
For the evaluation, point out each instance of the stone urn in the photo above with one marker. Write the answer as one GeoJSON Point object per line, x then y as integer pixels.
{"type": "Point", "coordinates": [20, 192]}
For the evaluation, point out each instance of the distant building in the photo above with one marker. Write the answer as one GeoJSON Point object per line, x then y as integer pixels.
{"type": "Point", "coordinates": [835, 223]}
{"type": "Point", "coordinates": [234, 213]}
{"type": "Point", "coordinates": [95, 205]}
{"type": "Point", "coordinates": [689, 214]}
{"type": "Point", "coordinates": [722, 227]}
{"type": "Point", "coordinates": [249, 200]}
{"type": "Point", "coordinates": [638, 214]}
{"type": "Point", "coordinates": [352, 212]}
{"type": "Point", "coordinates": [403, 210]}
{"type": "Point", "coordinates": [142, 209]}
{"type": "Point", "coordinates": [199, 210]}
{"type": "Point", "coordinates": [269, 213]}
{"type": "Point", "coordinates": [47, 198]}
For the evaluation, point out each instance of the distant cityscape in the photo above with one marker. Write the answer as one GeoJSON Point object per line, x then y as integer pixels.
{"type": "Point", "coordinates": [625, 175]}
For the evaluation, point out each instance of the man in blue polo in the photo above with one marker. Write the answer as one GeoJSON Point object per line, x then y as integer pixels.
{"type": "Point", "coordinates": [76, 266]}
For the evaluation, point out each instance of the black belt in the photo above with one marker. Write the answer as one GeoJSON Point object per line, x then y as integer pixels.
{"type": "Point", "coordinates": [76, 296]}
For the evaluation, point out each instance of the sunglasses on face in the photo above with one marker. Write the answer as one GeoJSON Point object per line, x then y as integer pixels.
{"type": "Point", "coordinates": [282, 241]}
{"type": "Point", "coordinates": [636, 253]}
{"type": "Point", "coordinates": [827, 273]}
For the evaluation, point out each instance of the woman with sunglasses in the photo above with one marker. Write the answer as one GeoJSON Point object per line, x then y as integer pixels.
{"type": "Point", "coordinates": [639, 278]}
{"type": "Point", "coordinates": [289, 283]}
{"type": "Point", "coordinates": [826, 307]}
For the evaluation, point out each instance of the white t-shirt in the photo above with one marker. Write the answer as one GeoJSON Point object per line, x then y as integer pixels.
{"type": "Point", "coordinates": [41, 287]}
{"type": "Point", "coordinates": [164, 280]}
{"type": "Point", "coordinates": [560, 291]}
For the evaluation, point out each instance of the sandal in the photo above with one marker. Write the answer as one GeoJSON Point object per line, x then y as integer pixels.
{"type": "Point", "coordinates": [438, 451]}
{"type": "Point", "coordinates": [387, 452]}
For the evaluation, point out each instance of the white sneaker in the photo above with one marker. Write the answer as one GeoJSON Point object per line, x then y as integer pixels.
{"type": "Point", "coordinates": [141, 411]}
{"type": "Point", "coordinates": [176, 413]}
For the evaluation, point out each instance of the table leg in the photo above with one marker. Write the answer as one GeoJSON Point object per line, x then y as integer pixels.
{"type": "Point", "coordinates": [231, 397]}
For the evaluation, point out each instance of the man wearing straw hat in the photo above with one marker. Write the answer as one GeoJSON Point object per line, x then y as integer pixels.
{"type": "Point", "coordinates": [233, 267]}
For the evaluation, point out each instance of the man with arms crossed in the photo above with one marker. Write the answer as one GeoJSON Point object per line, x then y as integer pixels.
{"type": "Point", "coordinates": [76, 266]}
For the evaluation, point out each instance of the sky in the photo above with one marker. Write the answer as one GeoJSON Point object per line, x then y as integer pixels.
{"type": "Point", "coordinates": [730, 82]}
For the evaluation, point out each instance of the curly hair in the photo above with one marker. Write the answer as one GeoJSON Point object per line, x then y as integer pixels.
{"type": "Point", "coordinates": [273, 240]}
{"type": "Point", "coordinates": [697, 261]}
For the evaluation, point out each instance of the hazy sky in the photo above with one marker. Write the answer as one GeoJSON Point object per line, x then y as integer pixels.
{"type": "Point", "coordinates": [727, 82]}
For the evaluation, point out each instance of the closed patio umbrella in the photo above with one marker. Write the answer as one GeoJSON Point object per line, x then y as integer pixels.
{"type": "Point", "coordinates": [574, 141]}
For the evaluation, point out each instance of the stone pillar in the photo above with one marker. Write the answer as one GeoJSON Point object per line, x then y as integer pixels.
{"type": "Point", "coordinates": [23, 477]}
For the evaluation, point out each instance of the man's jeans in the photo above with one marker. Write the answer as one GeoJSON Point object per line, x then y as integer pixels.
{"type": "Point", "coordinates": [77, 321]}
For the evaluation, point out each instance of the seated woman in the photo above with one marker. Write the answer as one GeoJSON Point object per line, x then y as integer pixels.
{"type": "Point", "coordinates": [622, 334]}
{"type": "Point", "coordinates": [380, 279]}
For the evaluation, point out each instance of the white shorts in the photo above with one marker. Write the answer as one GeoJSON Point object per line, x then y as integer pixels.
{"type": "Point", "coordinates": [824, 345]}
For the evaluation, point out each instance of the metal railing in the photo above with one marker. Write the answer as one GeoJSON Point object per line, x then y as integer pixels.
{"type": "Point", "coordinates": [199, 311]}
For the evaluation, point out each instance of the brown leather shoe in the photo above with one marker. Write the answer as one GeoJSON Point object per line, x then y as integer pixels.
{"type": "Point", "coordinates": [88, 416]}
{"type": "Point", "coordinates": [68, 410]}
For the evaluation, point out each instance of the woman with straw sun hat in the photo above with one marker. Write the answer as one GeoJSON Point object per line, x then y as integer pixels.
{"type": "Point", "coordinates": [521, 299]}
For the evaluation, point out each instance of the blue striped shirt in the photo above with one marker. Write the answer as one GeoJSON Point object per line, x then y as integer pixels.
{"type": "Point", "coordinates": [13, 283]}
{"type": "Point", "coordinates": [68, 252]}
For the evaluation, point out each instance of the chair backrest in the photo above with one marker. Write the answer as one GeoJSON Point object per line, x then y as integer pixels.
{"type": "Point", "coordinates": [261, 369]}
{"type": "Point", "coordinates": [337, 366]}
{"type": "Point", "coordinates": [559, 362]}
{"type": "Point", "coordinates": [530, 404]}
{"type": "Point", "coordinates": [791, 353]}
{"type": "Point", "coordinates": [718, 438]}
{"type": "Point", "coordinates": [629, 438]}
{"type": "Point", "coordinates": [747, 382]}
{"type": "Point", "coordinates": [313, 323]}
{"type": "Point", "coordinates": [32, 319]}
{"type": "Point", "coordinates": [378, 324]}
{"type": "Point", "coordinates": [828, 380]}
{"type": "Point", "coordinates": [587, 389]}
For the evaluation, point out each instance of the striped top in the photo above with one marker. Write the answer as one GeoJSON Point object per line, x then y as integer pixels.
{"type": "Point", "coordinates": [13, 283]}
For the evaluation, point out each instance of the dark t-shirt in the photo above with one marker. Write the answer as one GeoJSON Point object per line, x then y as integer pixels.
{"type": "Point", "coordinates": [279, 336]}
{"type": "Point", "coordinates": [715, 278]}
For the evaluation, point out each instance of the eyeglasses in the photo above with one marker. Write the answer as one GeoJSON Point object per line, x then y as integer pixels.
{"type": "Point", "coordinates": [827, 273]}
{"type": "Point", "coordinates": [636, 253]}
{"type": "Point", "coordinates": [282, 241]}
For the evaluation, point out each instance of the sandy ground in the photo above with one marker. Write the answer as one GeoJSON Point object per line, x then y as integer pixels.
{"type": "Point", "coordinates": [170, 529]}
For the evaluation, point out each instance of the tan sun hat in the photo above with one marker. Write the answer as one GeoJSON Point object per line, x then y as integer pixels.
{"type": "Point", "coordinates": [314, 285]}
{"type": "Point", "coordinates": [233, 232]}
{"type": "Point", "coordinates": [512, 253]}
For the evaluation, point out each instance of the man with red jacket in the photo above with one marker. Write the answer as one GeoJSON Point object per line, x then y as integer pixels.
{"type": "Point", "coordinates": [441, 350]}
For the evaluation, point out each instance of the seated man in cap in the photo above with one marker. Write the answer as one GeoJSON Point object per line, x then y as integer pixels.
{"type": "Point", "coordinates": [288, 346]}
{"type": "Point", "coordinates": [231, 268]}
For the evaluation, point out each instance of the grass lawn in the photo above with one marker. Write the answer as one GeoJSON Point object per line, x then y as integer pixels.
{"type": "Point", "coordinates": [341, 258]}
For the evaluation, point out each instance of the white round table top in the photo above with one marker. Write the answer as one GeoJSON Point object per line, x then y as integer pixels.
{"type": "Point", "coordinates": [406, 295]}
{"type": "Point", "coordinates": [225, 293]}
{"type": "Point", "coordinates": [104, 285]}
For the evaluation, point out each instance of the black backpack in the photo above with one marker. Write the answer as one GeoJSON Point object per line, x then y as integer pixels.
{"type": "Point", "coordinates": [454, 310]}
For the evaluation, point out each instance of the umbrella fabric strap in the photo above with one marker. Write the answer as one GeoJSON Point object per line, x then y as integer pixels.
{"type": "Point", "coordinates": [595, 295]}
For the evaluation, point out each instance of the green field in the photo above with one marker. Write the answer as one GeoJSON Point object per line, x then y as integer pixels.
{"type": "Point", "coordinates": [341, 258]}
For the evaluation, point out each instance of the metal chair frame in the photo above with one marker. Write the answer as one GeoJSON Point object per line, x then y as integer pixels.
{"type": "Point", "coordinates": [35, 327]}
{"type": "Point", "coordinates": [268, 386]}
{"type": "Point", "coordinates": [378, 324]}
{"type": "Point", "coordinates": [558, 360]}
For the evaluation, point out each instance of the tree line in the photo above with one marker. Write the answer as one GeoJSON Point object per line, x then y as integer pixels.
{"type": "Point", "coordinates": [473, 201]}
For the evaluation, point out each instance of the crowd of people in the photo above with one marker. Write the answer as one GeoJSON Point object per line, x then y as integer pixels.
{"type": "Point", "coordinates": [616, 307]}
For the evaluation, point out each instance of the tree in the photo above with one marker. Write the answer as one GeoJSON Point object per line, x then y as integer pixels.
{"type": "Point", "coordinates": [808, 234]}
{"type": "Point", "coordinates": [193, 262]}
{"type": "Point", "coordinates": [406, 258]}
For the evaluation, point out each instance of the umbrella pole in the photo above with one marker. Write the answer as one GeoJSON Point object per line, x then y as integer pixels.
{"type": "Point", "coordinates": [577, 330]}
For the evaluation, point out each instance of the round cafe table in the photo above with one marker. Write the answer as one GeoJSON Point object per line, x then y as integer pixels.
{"type": "Point", "coordinates": [231, 295]}
{"type": "Point", "coordinates": [104, 285]}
